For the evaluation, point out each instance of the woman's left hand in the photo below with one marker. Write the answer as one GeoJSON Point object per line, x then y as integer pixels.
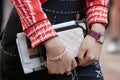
{"type": "Point", "coordinates": [90, 49]}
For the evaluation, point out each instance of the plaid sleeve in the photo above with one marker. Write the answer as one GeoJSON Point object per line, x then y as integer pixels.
{"type": "Point", "coordinates": [35, 24]}
{"type": "Point", "coordinates": [97, 11]}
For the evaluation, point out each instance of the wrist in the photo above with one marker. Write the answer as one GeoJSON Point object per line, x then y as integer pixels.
{"type": "Point", "coordinates": [99, 28]}
{"type": "Point", "coordinates": [49, 42]}
{"type": "Point", "coordinates": [57, 57]}
{"type": "Point", "coordinates": [53, 47]}
{"type": "Point", "coordinates": [97, 36]}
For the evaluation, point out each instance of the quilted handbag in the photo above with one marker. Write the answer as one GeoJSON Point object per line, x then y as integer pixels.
{"type": "Point", "coordinates": [71, 34]}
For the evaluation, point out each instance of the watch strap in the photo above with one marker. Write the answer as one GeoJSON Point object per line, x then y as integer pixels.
{"type": "Point", "coordinates": [94, 34]}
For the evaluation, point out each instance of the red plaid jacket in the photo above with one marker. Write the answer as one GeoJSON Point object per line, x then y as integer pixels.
{"type": "Point", "coordinates": [39, 29]}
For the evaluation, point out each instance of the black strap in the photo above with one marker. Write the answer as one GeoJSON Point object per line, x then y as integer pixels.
{"type": "Point", "coordinates": [109, 9]}
{"type": "Point", "coordinates": [1, 15]}
{"type": "Point", "coordinates": [13, 26]}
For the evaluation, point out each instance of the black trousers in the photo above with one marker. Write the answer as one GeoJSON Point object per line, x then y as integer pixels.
{"type": "Point", "coordinates": [1, 8]}
{"type": "Point", "coordinates": [11, 65]}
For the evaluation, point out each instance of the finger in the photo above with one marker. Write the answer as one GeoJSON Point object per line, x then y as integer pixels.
{"type": "Point", "coordinates": [74, 64]}
{"type": "Point", "coordinates": [85, 62]}
{"type": "Point", "coordinates": [98, 54]}
{"type": "Point", "coordinates": [81, 54]}
{"type": "Point", "coordinates": [89, 58]}
{"type": "Point", "coordinates": [68, 68]}
{"type": "Point", "coordinates": [48, 68]}
{"type": "Point", "coordinates": [52, 69]}
{"type": "Point", "coordinates": [61, 70]}
{"type": "Point", "coordinates": [69, 73]}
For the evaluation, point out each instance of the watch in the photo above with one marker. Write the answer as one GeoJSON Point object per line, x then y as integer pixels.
{"type": "Point", "coordinates": [99, 37]}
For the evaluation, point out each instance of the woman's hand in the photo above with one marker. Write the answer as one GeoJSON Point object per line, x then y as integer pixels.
{"type": "Point", "coordinates": [66, 64]}
{"type": "Point", "coordinates": [90, 48]}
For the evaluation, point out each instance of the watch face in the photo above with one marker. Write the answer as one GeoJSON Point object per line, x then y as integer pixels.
{"type": "Point", "coordinates": [101, 39]}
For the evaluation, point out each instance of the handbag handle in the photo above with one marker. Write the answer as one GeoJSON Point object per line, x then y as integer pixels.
{"type": "Point", "coordinates": [70, 24]}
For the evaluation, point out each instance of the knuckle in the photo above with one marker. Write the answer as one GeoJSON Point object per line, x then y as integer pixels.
{"type": "Point", "coordinates": [92, 58]}
{"type": "Point", "coordinates": [56, 72]}
{"type": "Point", "coordinates": [68, 70]}
{"type": "Point", "coordinates": [82, 49]}
{"type": "Point", "coordinates": [52, 72]}
{"type": "Point", "coordinates": [61, 72]}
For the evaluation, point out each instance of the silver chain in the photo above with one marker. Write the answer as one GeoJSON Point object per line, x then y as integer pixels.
{"type": "Point", "coordinates": [74, 75]}
{"type": "Point", "coordinates": [60, 12]}
{"type": "Point", "coordinates": [8, 53]}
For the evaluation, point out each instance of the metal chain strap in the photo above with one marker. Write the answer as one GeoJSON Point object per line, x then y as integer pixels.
{"type": "Point", "coordinates": [8, 53]}
{"type": "Point", "coordinates": [74, 75]}
{"type": "Point", "coordinates": [57, 12]}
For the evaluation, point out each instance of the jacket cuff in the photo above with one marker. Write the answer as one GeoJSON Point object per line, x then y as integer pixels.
{"type": "Point", "coordinates": [40, 32]}
{"type": "Point", "coordinates": [97, 14]}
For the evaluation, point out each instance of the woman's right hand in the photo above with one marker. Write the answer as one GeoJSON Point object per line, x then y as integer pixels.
{"type": "Point", "coordinates": [66, 64]}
